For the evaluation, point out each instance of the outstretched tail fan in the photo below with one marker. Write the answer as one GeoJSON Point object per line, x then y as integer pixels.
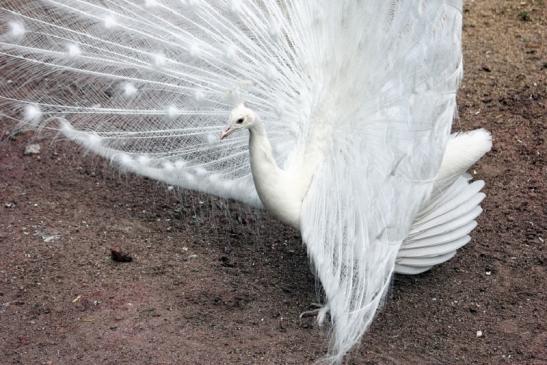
{"type": "Point", "coordinates": [360, 94]}
{"type": "Point", "coordinates": [149, 84]}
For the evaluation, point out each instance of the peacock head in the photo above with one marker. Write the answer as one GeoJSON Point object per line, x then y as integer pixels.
{"type": "Point", "coordinates": [241, 117]}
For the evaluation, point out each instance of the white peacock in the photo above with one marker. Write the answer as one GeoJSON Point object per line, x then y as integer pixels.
{"type": "Point", "coordinates": [348, 105]}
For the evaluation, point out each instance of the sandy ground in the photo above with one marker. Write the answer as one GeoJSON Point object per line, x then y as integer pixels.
{"type": "Point", "coordinates": [214, 283]}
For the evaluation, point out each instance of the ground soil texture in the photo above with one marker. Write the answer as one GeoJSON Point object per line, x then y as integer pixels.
{"type": "Point", "coordinates": [211, 282]}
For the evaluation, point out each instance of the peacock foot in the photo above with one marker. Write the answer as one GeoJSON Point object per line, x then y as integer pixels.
{"type": "Point", "coordinates": [320, 312]}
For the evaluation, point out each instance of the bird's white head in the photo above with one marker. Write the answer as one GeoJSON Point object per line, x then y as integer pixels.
{"type": "Point", "coordinates": [241, 117]}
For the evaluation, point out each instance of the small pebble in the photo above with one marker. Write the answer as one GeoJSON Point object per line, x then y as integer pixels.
{"type": "Point", "coordinates": [479, 333]}
{"type": "Point", "coordinates": [118, 256]}
{"type": "Point", "coordinates": [49, 238]}
{"type": "Point", "coordinates": [32, 149]}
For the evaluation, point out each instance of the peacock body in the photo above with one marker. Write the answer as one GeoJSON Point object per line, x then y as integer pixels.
{"type": "Point", "coordinates": [348, 105]}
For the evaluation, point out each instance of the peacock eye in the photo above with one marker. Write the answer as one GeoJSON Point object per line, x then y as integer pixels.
{"type": "Point", "coordinates": [239, 121]}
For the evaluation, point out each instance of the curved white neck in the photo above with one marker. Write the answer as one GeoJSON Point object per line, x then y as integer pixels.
{"type": "Point", "coordinates": [278, 191]}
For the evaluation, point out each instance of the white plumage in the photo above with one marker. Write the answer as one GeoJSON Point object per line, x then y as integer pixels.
{"type": "Point", "coordinates": [348, 103]}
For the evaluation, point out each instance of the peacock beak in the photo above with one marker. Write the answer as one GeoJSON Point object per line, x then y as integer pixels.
{"type": "Point", "coordinates": [226, 132]}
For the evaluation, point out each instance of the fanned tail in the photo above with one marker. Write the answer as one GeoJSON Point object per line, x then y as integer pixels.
{"type": "Point", "coordinates": [149, 84]}
{"type": "Point", "coordinates": [399, 65]}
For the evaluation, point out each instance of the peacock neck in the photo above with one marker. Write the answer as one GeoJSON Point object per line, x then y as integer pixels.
{"type": "Point", "coordinates": [273, 184]}
{"type": "Point", "coordinates": [261, 149]}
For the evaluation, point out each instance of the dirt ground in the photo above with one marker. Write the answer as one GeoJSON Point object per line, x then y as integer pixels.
{"type": "Point", "coordinates": [214, 283]}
